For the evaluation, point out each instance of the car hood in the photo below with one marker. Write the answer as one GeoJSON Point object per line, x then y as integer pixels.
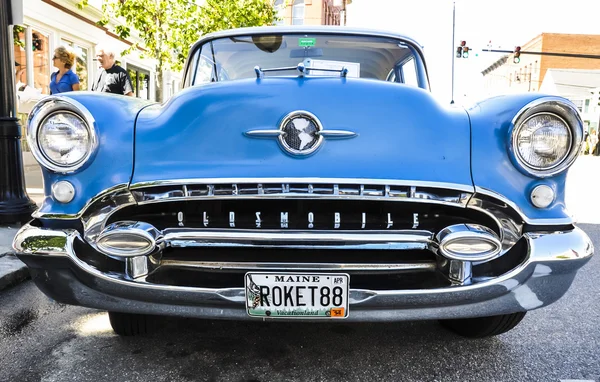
{"type": "Point", "coordinates": [402, 133]}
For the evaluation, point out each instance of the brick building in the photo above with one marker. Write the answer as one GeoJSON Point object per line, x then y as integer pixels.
{"type": "Point", "coordinates": [527, 76]}
{"type": "Point", "coordinates": [311, 12]}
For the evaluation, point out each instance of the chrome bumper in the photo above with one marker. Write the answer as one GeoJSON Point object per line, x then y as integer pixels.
{"type": "Point", "coordinates": [548, 271]}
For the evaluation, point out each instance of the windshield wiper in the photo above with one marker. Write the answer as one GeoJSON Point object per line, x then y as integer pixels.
{"type": "Point", "coordinates": [303, 70]}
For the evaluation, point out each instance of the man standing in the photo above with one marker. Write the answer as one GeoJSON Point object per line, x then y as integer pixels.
{"type": "Point", "coordinates": [112, 78]}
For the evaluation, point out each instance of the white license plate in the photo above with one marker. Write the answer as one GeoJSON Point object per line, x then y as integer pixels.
{"type": "Point", "coordinates": [297, 295]}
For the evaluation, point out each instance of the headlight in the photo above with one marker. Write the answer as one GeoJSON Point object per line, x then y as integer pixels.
{"type": "Point", "coordinates": [543, 141]}
{"type": "Point", "coordinates": [64, 139]}
{"type": "Point", "coordinates": [546, 137]}
{"type": "Point", "coordinates": [61, 134]}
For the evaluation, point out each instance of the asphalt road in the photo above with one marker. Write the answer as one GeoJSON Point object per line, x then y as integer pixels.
{"type": "Point", "coordinates": [43, 341]}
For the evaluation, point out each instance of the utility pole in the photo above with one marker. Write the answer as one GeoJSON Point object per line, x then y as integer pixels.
{"type": "Point", "coordinates": [453, 58]}
{"type": "Point", "coordinates": [15, 205]}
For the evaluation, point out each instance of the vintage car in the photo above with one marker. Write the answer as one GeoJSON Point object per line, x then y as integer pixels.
{"type": "Point", "coordinates": [305, 174]}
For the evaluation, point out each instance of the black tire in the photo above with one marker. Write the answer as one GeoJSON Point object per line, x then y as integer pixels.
{"type": "Point", "coordinates": [481, 327]}
{"type": "Point", "coordinates": [127, 324]}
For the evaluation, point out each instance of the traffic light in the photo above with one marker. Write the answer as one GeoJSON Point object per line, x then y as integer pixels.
{"type": "Point", "coordinates": [516, 58]}
{"type": "Point", "coordinates": [465, 52]}
{"type": "Point", "coordinates": [462, 50]}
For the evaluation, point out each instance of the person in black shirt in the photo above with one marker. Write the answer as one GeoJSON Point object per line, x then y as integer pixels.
{"type": "Point", "coordinates": [112, 78]}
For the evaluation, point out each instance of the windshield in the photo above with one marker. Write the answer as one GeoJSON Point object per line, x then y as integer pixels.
{"type": "Point", "coordinates": [377, 58]}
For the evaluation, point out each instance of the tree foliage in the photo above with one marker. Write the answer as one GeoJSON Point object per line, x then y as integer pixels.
{"type": "Point", "coordinates": [218, 15]}
{"type": "Point", "coordinates": [168, 28]}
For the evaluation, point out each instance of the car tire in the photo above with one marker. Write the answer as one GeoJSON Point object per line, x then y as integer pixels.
{"type": "Point", "coordinates": [128, 325]}
{"type": "Point", "coordinates": [480, 327]}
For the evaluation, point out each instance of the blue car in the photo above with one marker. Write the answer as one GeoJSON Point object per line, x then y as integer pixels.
{"type": "Point", "coordinates": [305, 174]}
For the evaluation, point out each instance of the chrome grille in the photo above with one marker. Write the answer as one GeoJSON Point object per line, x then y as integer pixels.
{"type": "Point", "coordinates": [149, 193]}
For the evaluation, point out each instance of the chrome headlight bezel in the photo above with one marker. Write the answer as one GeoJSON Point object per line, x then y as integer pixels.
{"type": "Point", "coordinates": [564, 111]}
{"type": "Point", "coordinates": [46, 108]}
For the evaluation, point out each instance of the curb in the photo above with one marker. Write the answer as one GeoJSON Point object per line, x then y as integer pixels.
{"type": "Point", "coordinates": [12, 270]}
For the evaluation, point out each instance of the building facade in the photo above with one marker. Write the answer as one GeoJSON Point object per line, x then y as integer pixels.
{"type": "Point", "coordinates": [52, 23]}
{"type": "Point", "coordinates": [581, 86]}
{"type": "Point", "coordinates": [311, 12]}
{"type": "Point", "coordinates": [527, 75]}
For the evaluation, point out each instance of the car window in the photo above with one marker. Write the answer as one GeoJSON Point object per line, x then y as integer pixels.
{"type": "Point", "coordinates": [409, 73]}
{"type": "Point", "coordinates": [364, 56]}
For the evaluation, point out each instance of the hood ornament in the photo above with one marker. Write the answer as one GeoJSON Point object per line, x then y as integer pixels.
{"type": "Point", "coordinates": [300, 133]}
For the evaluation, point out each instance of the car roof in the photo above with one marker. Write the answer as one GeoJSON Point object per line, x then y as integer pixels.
{"type": "Point", "coordinates": [312, 29]}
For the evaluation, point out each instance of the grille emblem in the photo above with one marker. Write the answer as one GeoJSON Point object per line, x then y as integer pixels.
{"type": "Point", "coordinates": [284, 220]}
{"type": "Point", "coordinates": [300, 133]}
{"type": "Point", "coordinates": [258, 221]}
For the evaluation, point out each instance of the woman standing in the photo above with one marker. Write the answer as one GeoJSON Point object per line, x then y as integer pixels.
{"type": "Point", "coordinates": [63, 80]}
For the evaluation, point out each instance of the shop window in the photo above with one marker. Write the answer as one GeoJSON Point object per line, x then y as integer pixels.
{"type": "Point", "coordinates": [140, 80]}
{"type": "Point", "coordinates": [298, 12]}
{"type": "Point", "coordinates": [20, 56]}
{"type": "Point", "coordinates": [587, 106]}
{"type": "Point", "coordinates": [41, 61]}
{"type": "Point", "coordinates": [81, 63]}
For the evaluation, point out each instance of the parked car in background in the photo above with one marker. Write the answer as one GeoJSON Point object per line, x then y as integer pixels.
{"type": "Point", "coordinates": [305, 174]}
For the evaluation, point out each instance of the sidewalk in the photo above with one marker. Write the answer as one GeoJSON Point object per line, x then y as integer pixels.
{"type": "Point", "coordinates": [12, 270]}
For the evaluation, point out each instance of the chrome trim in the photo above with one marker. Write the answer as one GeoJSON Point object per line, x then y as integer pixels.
{"type": "Point", "coordinates": [128, 228]}
{"type": "Point", "coordinates": [48, 106]}
{"type": "Point", "coordinates": [250, 190]}
{"type": "Point", "coordinates": [512, 205]}
{"type": "Point", "coordinates": [357, 181]}
{"type": "Point", "coordinates": [43, 241]}
{"type": "Point", "coordinates": [460, 272]}
{"type": "Point", "coordinates": [302, 70]}
{"type": "Point", "coordinates": [332, 134]}
{"type": "Point", "coordinates": [551, 263]}
{"type": "Point", "coordinates": [140, 266]}
{"type": "Point", "coordinates": [101, 195]}
{"type": "Point", "coordinates": [95, 220]}
{"type": "Point", "coordinates": [264, 133]}
{"type": "Point", "coordinates": [575, 126]}
{"type": "Point", "coordinates": [509, 229]}
{"type": "Point", "coordinates": [226, 266]}
{"type": "Point", "coordinates": [320, 133]}
{"type": "Point", "coordinates": [400, 240]}
{"type": "Point", "coordinates": [461, 232]}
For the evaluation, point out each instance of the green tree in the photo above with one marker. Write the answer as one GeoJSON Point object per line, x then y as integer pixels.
{"type": "Point", "coordinates": [168, 28]}
{"type": "Point", "coordinates": [218, 15]}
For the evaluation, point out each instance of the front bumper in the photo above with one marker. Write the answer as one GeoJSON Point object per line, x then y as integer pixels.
{"type": "Point", "coordinates": [551, 263]}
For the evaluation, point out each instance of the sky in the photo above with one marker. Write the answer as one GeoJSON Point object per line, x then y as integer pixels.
{"type": "Point", "coordinates": [506, 23]}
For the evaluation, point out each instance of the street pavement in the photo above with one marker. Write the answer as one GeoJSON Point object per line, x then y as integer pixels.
{"type": "Point", "coordinates": [41, 340]}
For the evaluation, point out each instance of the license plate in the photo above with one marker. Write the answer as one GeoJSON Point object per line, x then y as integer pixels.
{"type": "Point", "coordinates": [297, 295]}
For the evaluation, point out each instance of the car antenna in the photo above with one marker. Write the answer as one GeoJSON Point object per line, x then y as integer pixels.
{"type": "Point", "coordinates": [453, 59]}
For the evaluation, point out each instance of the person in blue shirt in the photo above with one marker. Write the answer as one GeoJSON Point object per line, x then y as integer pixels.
{"type": "Point", "coordinates": [63, 80]}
